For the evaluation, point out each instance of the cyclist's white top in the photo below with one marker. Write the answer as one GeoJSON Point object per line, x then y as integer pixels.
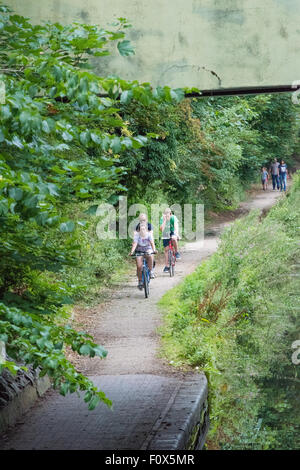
{"type": "Point", "coordinates": [143, 244]}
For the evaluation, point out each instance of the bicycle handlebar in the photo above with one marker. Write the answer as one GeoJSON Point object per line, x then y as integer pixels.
{"type": "Point", "coordinates": [143, 254]}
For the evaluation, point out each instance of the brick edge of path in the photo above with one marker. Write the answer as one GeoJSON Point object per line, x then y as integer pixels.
{"type": "Point", "coordinates": [184, 422]}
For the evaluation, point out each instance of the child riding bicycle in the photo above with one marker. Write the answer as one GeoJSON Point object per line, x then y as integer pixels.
{"type": "Point", "coordinates": [169, 228]}
{"type": "Point", "coordinates": [143, 243]}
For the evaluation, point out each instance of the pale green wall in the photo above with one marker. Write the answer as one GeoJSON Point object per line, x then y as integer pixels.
{"type": "Point", "coordinates": [246, 42]}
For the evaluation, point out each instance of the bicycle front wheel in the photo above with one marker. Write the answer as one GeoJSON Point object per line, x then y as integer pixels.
{"type": "Point", "coordinates": [146, 283]}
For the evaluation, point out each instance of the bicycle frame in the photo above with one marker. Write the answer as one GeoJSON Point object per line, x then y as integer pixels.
{"type": "Point", "coordinates": [145, 276]}
{"type": "Point", "coordinates": [145, 273]}
{"type": "Point", "coordinates": [171, 258]}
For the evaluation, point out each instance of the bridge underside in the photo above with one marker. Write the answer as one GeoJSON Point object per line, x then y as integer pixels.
{"type": "Point", "coordinates": [222, 47]}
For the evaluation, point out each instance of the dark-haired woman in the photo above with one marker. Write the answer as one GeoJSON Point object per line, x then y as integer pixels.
{"type": "Point", "coordinates": [283, 172]}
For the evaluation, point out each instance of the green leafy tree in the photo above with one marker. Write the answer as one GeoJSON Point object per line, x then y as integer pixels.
{"type": "Point", "coordinates": [61, 136]}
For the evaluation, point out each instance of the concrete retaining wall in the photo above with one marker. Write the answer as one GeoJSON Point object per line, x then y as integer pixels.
{"type": "Point", "coordinates": [18, 394]}
{"type": "Point", "coordinates": [245, 42]}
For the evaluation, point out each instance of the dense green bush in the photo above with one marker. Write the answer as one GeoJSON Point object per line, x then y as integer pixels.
{"type": "Point", "coordinates": [236, 318]}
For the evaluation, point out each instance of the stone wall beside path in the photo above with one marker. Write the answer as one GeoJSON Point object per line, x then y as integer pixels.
{"type": "Point", "coordinates": [18, 393]}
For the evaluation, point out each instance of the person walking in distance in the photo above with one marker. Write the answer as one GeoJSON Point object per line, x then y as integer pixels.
{"type": "Point", "coordinates": [283, 172]}
{"type": "Point", "coordinates": [274, 172]}
{"type": "Point", "coordinates": [264, 178]}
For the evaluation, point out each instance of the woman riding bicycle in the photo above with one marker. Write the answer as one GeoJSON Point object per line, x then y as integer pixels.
{"type": "Point", "coordinates": [169, 227]}
{"type": "Point", "coordinates": [143, 243]}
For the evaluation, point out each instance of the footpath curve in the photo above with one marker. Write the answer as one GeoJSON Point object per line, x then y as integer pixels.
{"type": "Point", "coordinates": [154, 405]}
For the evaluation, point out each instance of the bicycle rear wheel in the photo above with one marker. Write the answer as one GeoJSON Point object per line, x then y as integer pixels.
{"type": "Point", "coordinates": [146, 283]}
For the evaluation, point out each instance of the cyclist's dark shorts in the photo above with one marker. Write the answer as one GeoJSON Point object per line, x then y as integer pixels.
{"type": "Point", "coordinates": [166, 240]}
{"type": "Point", "coordinates": [142, 253]}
